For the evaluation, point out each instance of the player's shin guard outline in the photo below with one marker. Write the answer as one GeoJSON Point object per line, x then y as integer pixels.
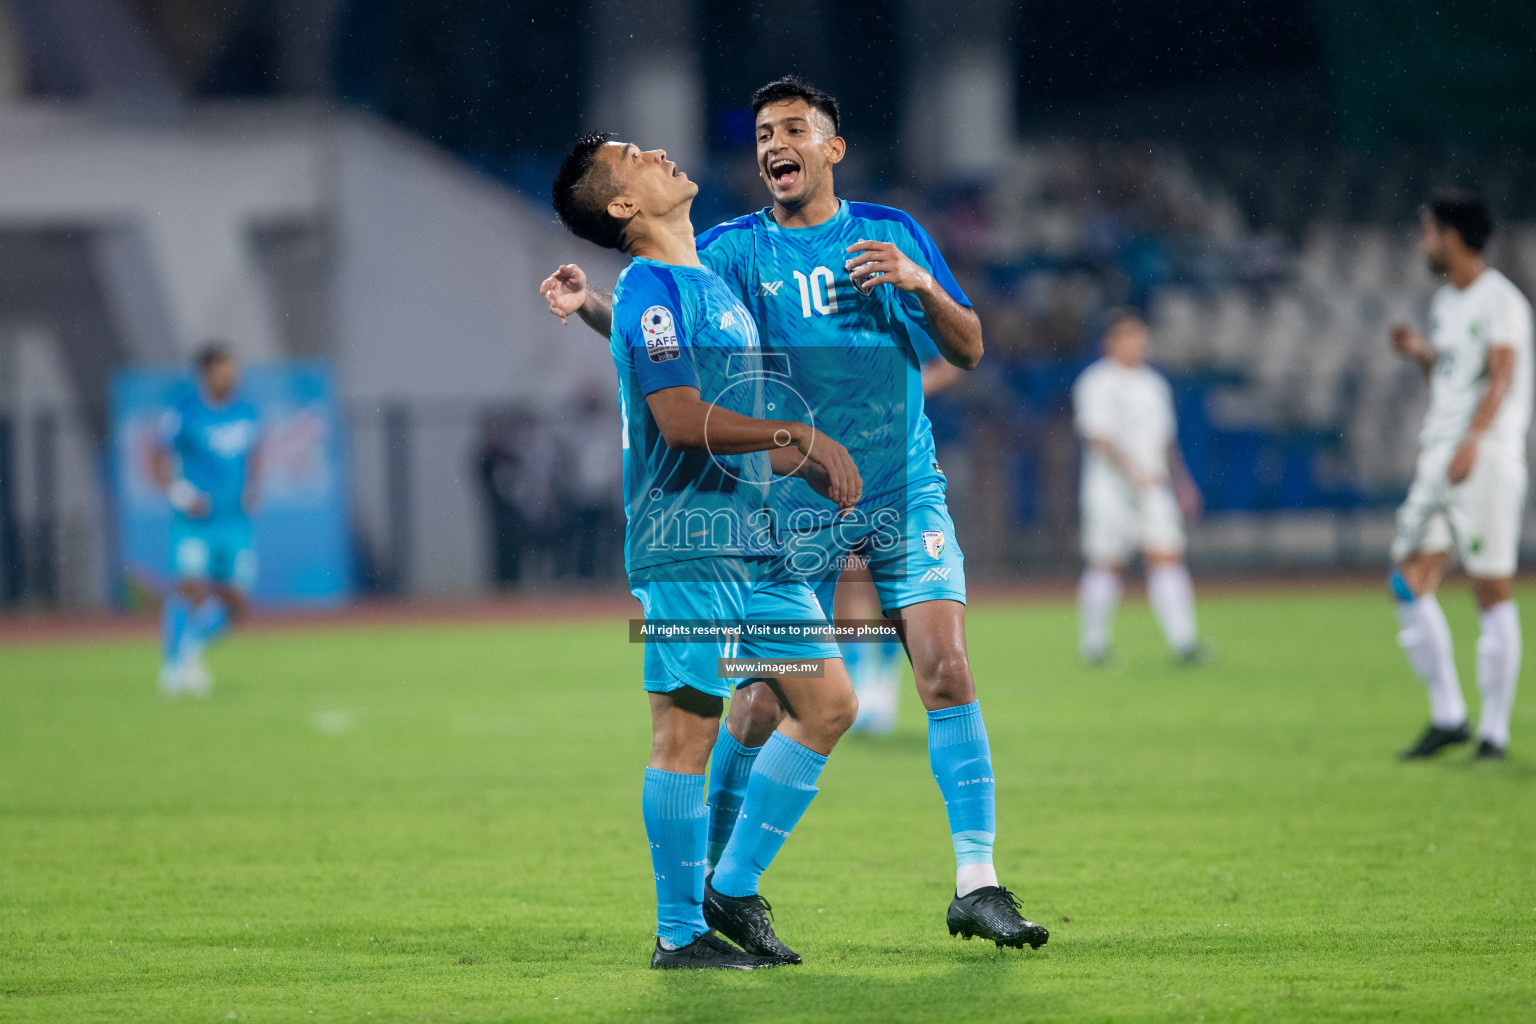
{"type": "Point", "coordinates": [1172, 595]}
{"type": "Point", "coordinates": [673, 805]}
{"type": "Point", "coordinates": [1498, 670]}
{"type": "Point", "coordinates": [730, 767]}
{"type": "Point", "coordinates": [1426, 640]}
{"type": "Point", "coordinates": [782, 785]}
{"type": "Point", "coordinates": [1098, 596]}
{"type": "Point", "coordinates": [208, 621]}
{"type": "Point", "coordinates": [173, 624]}
{"type": "Point", "coordinates": [961, 759]}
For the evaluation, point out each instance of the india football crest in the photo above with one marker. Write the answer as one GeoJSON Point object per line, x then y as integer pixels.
{"type": "Point", "coordinates": [660, 334]}
{"type": "Point", "coordinates": [933, 542]}
{"type": "Point", "coordinates": [229, 440]}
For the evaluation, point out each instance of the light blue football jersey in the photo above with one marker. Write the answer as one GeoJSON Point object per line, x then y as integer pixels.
{"type": "Point", "coordinates": [673, 327]}
{"type": "Point", "coordinates": [854, 360]}
{"type": "Point", "coordinates": [213, 444]}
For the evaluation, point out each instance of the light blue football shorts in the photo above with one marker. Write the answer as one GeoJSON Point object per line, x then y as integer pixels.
{"type": "Point", "coordinates": [722, 589]}
{"type": "Point", "coordinates": [221, 551]}
{"type": "Point", "coordinates": [913, 558]}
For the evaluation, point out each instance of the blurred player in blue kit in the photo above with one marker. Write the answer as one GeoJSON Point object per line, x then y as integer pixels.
{"type": "Point", "coordinates": [699, 459]}
{"type": "Point", "coordinates": [208, 461]}
{"type": "Point", "coordinates": [858, 297]}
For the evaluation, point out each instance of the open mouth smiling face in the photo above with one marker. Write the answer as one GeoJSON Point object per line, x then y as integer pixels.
{"type": "Point", "coordinates": [790, 144]}
{"type": "Point", "coordinates": [797, 146]}
{"type": "Point", "coordinates": [784, 171]}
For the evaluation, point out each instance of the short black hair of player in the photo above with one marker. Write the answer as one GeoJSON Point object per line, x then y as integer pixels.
{"type": "Point", "coordinates": [793, 87]}
{"type": "Point", "coordinates": [211, 354]}
{"type": "Point", "coordinates": [1118, 316]}
{"type": "Point", "coordinates": [1464, 212]}
{"type": "Point", "coordinates": [582, 191]}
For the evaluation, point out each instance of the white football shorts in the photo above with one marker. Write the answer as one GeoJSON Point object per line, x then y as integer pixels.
{"type": "Point", "coordinates": [1119, 521]}
{"type": "Point", "coordinates": [1480, 517]}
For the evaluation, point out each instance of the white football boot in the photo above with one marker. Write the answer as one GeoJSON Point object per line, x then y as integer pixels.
{"type": "Point", "coordinates": [173, 679]}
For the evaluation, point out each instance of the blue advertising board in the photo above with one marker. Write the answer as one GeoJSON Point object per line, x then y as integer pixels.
{"type": "Point", "coordinates": [300, 523]}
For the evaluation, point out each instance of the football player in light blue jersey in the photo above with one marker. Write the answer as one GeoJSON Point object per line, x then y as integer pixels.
{"type": "Point", "coordinates": [699, 459]}
{"type": "Point", "coordinates": [859, 298]}
{"type": "Point", "coordinates": [208, 462]}
{"type": "Point", "coordinates": [875, 668]}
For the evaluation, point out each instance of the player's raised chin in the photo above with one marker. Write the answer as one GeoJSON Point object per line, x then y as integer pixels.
{"type": "Point", "coordinates": [796, 144]}
{"type": "Point", "coordinates": [650, 184]}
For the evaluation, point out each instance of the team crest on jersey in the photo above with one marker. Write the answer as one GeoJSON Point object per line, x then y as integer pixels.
{"type": "Point", "coordinates": [933, 542]}
{"type": "Point", "coordinates": [228, 440]}
{"type": "Point", "coordinates": [769, 287]}
{"type": "Point", "coordinates": [660, 334]}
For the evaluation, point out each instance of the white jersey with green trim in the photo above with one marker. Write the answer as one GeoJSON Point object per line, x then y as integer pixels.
{"type": "Point", "coordinates": [1464, 324]}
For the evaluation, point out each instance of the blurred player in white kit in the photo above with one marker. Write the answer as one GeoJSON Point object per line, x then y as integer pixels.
{"type": "Point", "coordinates": [1136, 492]}
{"type": "Point", "coordinates": [1469, 486]}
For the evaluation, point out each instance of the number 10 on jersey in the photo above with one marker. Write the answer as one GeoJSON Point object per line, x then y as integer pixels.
{"type": "Point", "coordinates": [816, 291]}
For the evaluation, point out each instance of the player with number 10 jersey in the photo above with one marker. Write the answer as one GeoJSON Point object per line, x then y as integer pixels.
{"type": "Point", "coordinates": [851, 299]}
{"type": "Point", "coordinates": [855, 358]}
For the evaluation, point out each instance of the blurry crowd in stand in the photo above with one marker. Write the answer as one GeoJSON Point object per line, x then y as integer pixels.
{"type": "Point", "coordinates": [552, 488]}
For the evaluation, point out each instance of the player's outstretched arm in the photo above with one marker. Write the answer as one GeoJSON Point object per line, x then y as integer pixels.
{"type": "Point", "coordinates": [939, 375]}
{"type": "Point", "coordinates": [161, 468]}
{"type": "Point", "coordinates": [570, 293]}
{"type": "Point", "coordinates": [183, 496]}
{"type": "Point", "coordinates": [1501, 377]}
{"type": "Point", "coordinates": [688, 423]}
{"type": "Point", "coordinates": [1133, 474]}
{"type": "Point", "coordinates": [1409, 342]}
{"type": "Point", "coordinates": [955, 329]}
{"type": "Point", "coordinates": [251, 497]}
{"type": "Point", "coordinates": [1185, 490]}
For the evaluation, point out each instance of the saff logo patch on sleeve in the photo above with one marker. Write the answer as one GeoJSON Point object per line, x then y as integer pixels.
{"type": "Point", "coordinates": [660, 334]}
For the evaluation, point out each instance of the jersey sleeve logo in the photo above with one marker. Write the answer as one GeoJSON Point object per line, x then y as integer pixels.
{"type": "Point", "coordinates": [660, 334]}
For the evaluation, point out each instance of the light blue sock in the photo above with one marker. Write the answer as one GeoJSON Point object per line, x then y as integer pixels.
{"type": "Point", "coordinates": [208, 622]}
{"type": "Point", "coordinates": [779, 790]}
{"type": "Point", "coordinates": [962, 766]}
{"type": "Point", "coordinates": [729, 769]}
{"type": "Point", "coordinates": [674, 811]}
{"type": "Point", "coordinates": [173, 625]}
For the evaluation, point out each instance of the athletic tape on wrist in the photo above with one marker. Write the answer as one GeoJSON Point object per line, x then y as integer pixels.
{"type": "Point", "coordinates": [183, 495]}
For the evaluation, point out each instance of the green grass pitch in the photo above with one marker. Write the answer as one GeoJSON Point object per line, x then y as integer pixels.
{"type": "Point", "coordinates": [443, 824]}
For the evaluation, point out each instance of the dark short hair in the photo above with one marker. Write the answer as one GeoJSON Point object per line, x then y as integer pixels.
{"type": "Point", "coordinates": [212, 352]}
{"type": "Point", "coordinates": [1463, 212]}
{"type": "Point", "coordinates": [1118, 316]}
{"type": "Point", "coordinates": [793, 87]}
{"type": "Point", "coordinates": [582, 191]}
